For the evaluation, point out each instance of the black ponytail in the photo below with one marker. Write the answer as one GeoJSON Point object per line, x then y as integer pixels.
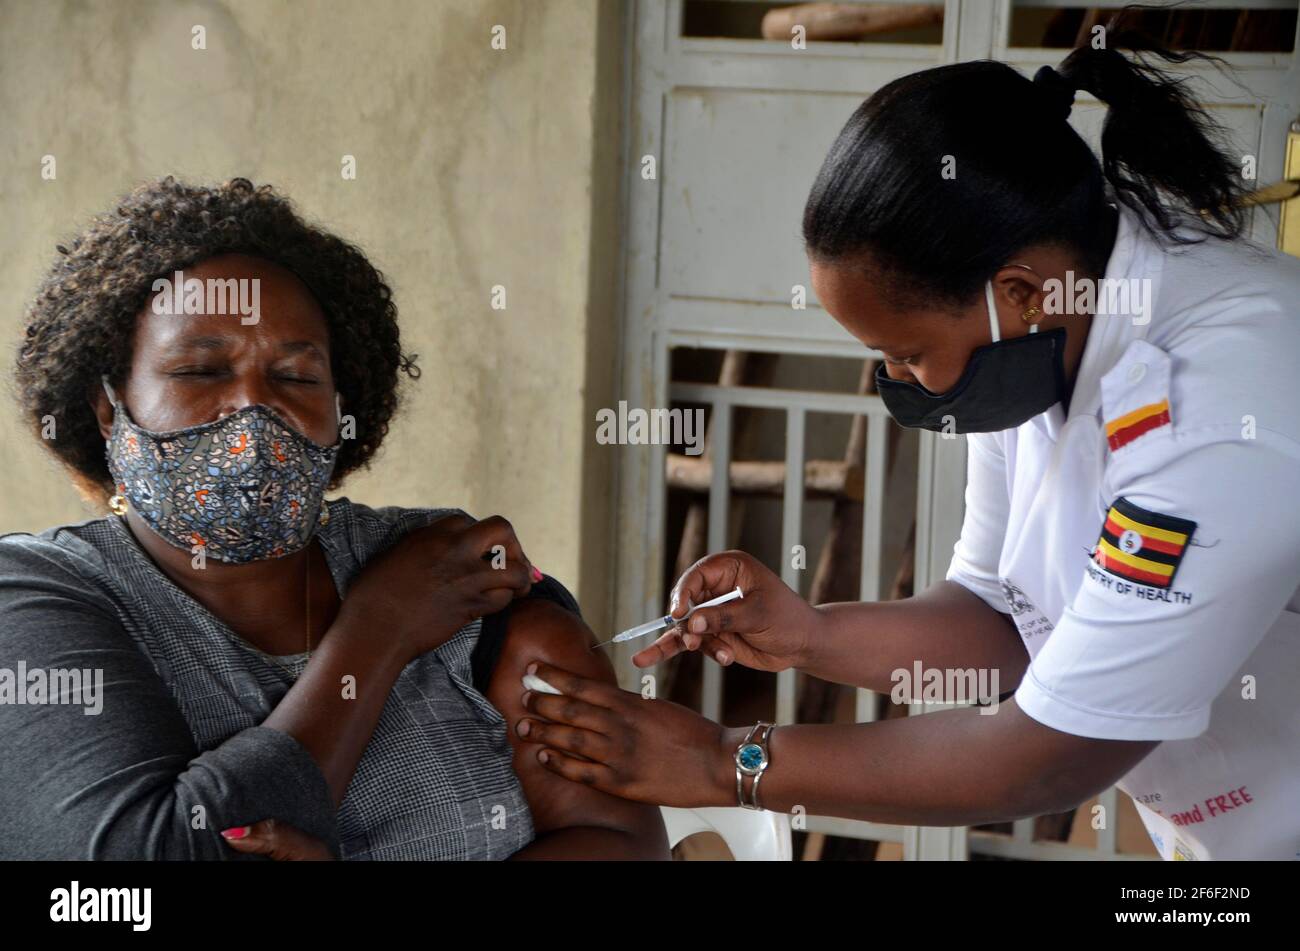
{"type": "Point", "coordinates": [1021, 176]}
{"type": "Point", "coordinates": [1157, 141]}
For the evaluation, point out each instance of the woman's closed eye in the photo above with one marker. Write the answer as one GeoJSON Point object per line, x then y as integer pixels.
{"type": "Point", "coordinates": [285, 376]}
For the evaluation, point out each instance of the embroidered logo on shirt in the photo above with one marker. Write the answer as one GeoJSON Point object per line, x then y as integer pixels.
{"type": "Point", "coordinates": [1142, 546]}
{"type": "Point", "coordinates": [1125, 429]}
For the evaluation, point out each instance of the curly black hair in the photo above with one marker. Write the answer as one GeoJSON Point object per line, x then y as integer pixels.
{"type": "Point", "coordinates": [81, 322]}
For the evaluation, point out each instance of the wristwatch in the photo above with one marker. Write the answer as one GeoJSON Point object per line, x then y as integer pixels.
{"type": "Point", "coordinates": [752, 759]}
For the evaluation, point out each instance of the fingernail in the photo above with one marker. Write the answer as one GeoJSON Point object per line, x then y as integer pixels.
{"type": "Point", "coordinates": [532, 669]}
{"type": "Point", "coordinates": [724, 658]}
{"type": "Point", "coordinates": [543, 756]}
{"type": "Point", "coordinates": [691, 642]}
{"type": "Point", "coordinates": [698, 624]}
{"type": "Point", "coordinates": [522, 728]}
{"type": "Point", "coordinates": [236, 833]}
{"type": "Point", "coordinates": [536, 573]}
{"type": "Point", "coordinates": [523, 701]}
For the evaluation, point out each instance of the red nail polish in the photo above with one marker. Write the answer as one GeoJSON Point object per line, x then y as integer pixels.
{"type": "Point", "coordinates": [238, 832]}
{"type": "Point", "coordinates": [537, 575]}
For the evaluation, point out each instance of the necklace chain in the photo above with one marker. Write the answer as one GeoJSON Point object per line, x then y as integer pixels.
{"type": "Point", "coordinates": [308, 586]}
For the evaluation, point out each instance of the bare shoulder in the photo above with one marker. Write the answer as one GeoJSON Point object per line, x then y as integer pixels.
{"type": "Point", "coordinates": [541, 630]}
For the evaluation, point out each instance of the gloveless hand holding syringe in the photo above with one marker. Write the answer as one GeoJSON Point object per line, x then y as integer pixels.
{"type": "Point", "coordinates": [533, 682]}
{"type": "Point", "coordinates": [667, 621]}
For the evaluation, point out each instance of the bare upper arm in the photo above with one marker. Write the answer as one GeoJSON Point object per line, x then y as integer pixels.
{"type": "Point", "coordinates": [1064, 769]}
{"type": "Point", "coordinates": [543, 631]}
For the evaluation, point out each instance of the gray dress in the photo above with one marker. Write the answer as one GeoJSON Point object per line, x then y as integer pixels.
{"type": "Point", "coordinates": [176, 753]}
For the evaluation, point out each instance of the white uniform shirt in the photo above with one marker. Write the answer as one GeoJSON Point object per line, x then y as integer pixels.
{"type": "Point", "coordinates": [1147, 545]}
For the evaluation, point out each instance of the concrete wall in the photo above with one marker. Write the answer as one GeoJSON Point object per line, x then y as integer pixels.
{"type": "Point", "coordinates": [476, 167]}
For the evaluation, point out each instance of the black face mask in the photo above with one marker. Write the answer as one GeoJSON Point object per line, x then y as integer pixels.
{"type": "Point", "coordinates": [1006, 383]}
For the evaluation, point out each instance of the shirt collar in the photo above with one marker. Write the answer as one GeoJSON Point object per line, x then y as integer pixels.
{"type": "Point", "coordinates": [1109, 336]}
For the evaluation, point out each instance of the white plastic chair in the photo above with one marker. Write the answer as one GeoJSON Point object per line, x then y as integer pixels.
{"type": "Point", "coordinates": [752, 835]}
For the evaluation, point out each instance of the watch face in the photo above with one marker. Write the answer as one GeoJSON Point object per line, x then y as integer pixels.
{"type": "Point", "coordinates": [750, 758]}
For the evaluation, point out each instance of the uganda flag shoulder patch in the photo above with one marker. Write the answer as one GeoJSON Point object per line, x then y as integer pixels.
{"type": "Point", "coordinates": [1140, 546]}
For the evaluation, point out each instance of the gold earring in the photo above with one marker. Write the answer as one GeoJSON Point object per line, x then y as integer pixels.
{"type": "Point", "coordinates": [1029, 315]}
{"type": "Point", "coordinates": [117, 504]}
{"type": "Point", "coordinates": [324, 512]}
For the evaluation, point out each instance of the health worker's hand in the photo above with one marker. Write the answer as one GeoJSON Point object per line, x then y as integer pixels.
{"type": "Point", "coordinates": [770, 628]}
{"type": "Point", "coordinates": [645, 750]}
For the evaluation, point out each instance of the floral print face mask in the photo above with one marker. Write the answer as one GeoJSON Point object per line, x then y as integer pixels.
{"type": "Point", "coordinates": [243, 488]}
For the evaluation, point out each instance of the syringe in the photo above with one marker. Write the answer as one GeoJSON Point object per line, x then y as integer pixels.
{"type": "Point", "coordinates": [667, 621]}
